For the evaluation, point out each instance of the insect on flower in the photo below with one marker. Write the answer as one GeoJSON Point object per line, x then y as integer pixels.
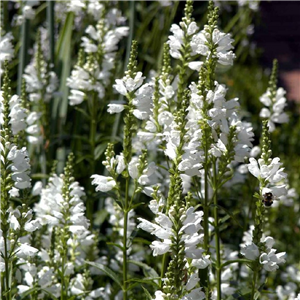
{"type": "Point", "coordinates": [268, 199]}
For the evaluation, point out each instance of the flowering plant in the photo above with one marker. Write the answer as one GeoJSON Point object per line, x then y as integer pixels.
{"type": "Point", "coordinates": [134, 171]}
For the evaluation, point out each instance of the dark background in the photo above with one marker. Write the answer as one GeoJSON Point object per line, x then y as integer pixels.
{"type": "Point", "coordinates": [278, 35]}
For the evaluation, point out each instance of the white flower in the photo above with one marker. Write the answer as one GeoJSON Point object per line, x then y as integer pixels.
{"type": "Point", "coordinates": [76, 5]}
{"type": "Point", "coordinates": [288, 290]}
{"type": "Point", "coordinates": [128, 84]}
{"type": "Point", "coordinates": [143, 101]}
{"type": "Point", "coordinates": [271, 260]}
{"type": "Point", "coordinates": [250, 251]}
{"type": "Point", "coordinates": [275, 106]}
{"type": "Point", "coordinates": [194, 294]}
{"type": "Point", "coordinates": [159, 295]}
{"type": "Point", "coordinates": [221, 41]}
{"type": "Point", "coordinates": [37, 188]}
{"type": "Point", "coordinates": [6, 49]}
{"type": "Point", "coordinates": [20, 167]}
{"type": "Point", "coordinates": [25, 250]}
{"type": "Point", "coordinates": [28, 12]}
{"type": "Point", "coordinates": [272, 173]}
{"type": "Point", "coordinates": [17, 113]}
{"type": "Point", "coordinates": [76, 97]}
{"type": "Point", "coordinates": [114, 108]}
{"type": "Point", "coordinates": [103, 183]}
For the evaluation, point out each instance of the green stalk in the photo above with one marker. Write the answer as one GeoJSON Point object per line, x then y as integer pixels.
{"type": "Point", "coordinates": [203, 273]}
{"type": "Point", "coordinates": [7, 289]}
{"type": "Point", "coordinates": [50, 20]}
{"type": "Point", "coordinates": [128, 47]}
{"type": "Point", "coordinates": [5, 24]}
{"type": "Point", "coordinates": [93, 108]}
{"type": "Point", "coordinates": [125, 263]}
{"type": "Point", "coordinates": [23, 54]}
{"type": "Point", "coordinates": [93, 113]}
{"type": "Point", "coordinates": [163, 269]}
{"type": "Point", "coordinates": [254, 280]}
{"type": "Point", "coordinates": [217, 237]}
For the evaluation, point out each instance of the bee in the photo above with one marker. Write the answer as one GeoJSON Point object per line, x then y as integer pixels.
{"type": "Point", "coordinates": [268, 199]}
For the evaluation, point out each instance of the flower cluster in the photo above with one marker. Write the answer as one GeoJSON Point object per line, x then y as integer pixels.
{"type": "Point", "coordinates": [268, 257]}
{"type": "Point", "coordinates": [6, 49]}
{"type": "Point", "coordinates": [41, 86]}
{"type": "Point", "coordinates": [17, 114]}
{"type": "Point", "coordinates": [273, 111]}
{"type": "Point", "coordinates": [143, 94]}
{"type": "Point", "coordinates": [61, 213]}
{"type": "Point", "coordinates": [26, 10]}
{"type": "Point", "coordinates": [164, 228]}
{"type": "Point", "coordinates": [271, 173]}
{"type": "Point", "coordinates": [100, 46]}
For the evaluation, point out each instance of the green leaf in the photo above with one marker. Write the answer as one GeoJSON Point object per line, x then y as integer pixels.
{"type": "Point", "coordinates": [83, 112]}
{"type": "Point", "coordinates": [99, 150]}
{"type": "Point", "coordinates": [114, 244]}
{"type": "Point", "coordinates": [142, 241]}
{"type": "Point", "coordinates": [144, 280]}
{"type": "Point", "coordinates": [256, 295]}
{"type": "Point", "coordinates": [257, 195]}
{"type": "Point", "coordinates": [100, 217]}
{"type": "Point", "coordinates": [107, 271]}
{"type": "Point", "coordinates": [35, 289]}
{"type": "Point", "coordinates": [147, 293]}
{"type": "Point", "coordinates": [134, 206]}
{"type": "Point", "coordinates": [148, 271]}
{"type": "Point", "coordinates": [63, 65]}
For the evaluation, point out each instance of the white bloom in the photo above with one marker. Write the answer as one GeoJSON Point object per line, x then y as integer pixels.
{"type": "Point", "coordinates": [76, 5]}
{"type": "Point", "coordinates": [103, 183]}
{"type": "Point", "coordinates": [271, 260]}
{"type": "Point", "coordinates": [127, 84]}
{"type": "Point", "coordinates": [114, 108]}
{"type": "Point", "coordinates": [76, 97]}
{"type": "Point", "coordinates": [274, 108]}
{"type": "Point", "coordinates": [20, 167]}
{"type": "Point", "coordinates": [13, 192]}
{"type": "Point", "coordinates": [17, 113]}
{"type": "Point", "coordinates": [194, 294]}
{"type": "Point", "coordinates": [272, 173]}
{"type": "Point", "coordinates": [159, 295]}
{"type": "Point", "coordinates": [222, 42]}
{"type": "Point", "coordinates": [37, 188]}
{"type": "Point", "coordinates": [6, 49]}
{"type": "Point", "coordinates": [25, 250]}
{"type": "Point", "coordinates": [250, 251]}
{"type": "Point", "coordinates": [143, 101]}
{"type": "Point", "coordinates": [28, 12]}
{"type": "Point", "coordinates": [288, 290]}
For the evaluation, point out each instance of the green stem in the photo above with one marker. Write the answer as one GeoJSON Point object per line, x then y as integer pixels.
{"type": "Point", "coordinates": [63, 287]}
{"type": "Point", "coordinates": [7, 289]}
{"type": "Point", "coordinates": [238, 260]}
{"type": "Point", "coordinates": [125, 262]}
{"type": "Point", "coordinates": [128, 47]}
{"type": "Point", "coordinates": [93, 113]}
{"type": "Point", "coordinates": [254, 279]}
{"type": "Point", "coordinates": [4, 16]}
{"type": "Point", "coordinates": [217, 237]}
{"type": "Point", "coordinates": [93, 107]}
{"type": "Point", "coordinates": [50, 19]}
{"type": "Point", "coordinates": [163, 269]}
{"type": "Point", "coordinates": [23, 54]}
{"type": "Point", "coordinates": [203, 273]}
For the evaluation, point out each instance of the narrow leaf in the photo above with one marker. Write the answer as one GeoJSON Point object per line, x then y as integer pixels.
{"type": "Point", "coordinates": [107, 271]}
